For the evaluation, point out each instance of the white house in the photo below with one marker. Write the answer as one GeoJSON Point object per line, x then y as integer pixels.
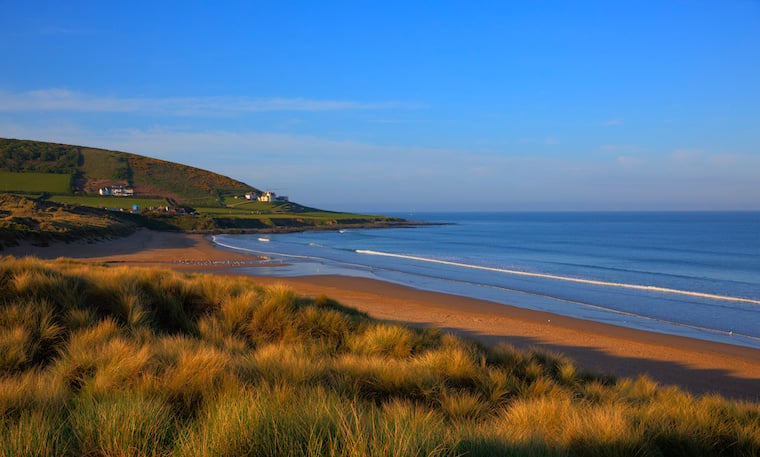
{"type": "Point", "coordinates": [118, 191]}
{"type": "Point", "coordinates": [266, 197]}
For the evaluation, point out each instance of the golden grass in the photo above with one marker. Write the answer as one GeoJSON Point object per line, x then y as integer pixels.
{"type": "Point", "coordinates": [116, 361]}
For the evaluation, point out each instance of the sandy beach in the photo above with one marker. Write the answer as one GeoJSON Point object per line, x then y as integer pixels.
{"type": "Point", "coordinates": [697, 366]}
{"type": "Point", "coordinates": [181, 251]}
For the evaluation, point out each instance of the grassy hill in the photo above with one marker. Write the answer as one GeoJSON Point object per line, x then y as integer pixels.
{"type": "Point", "coordinates": [168, 195]}
{"type": "Point", "coordinates": [103, 361]}
{"type": "Point", "coordinates": [94, 168]}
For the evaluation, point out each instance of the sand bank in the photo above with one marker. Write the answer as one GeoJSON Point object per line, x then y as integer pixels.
{"type": "Point", "coordinates": [698, 366]}
{"type": "Point", "coordinates": [176, 250]}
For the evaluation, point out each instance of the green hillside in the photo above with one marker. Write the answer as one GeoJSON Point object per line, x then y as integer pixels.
{"type": "Point", "coordinates": [36, 156]}
{"type": "Point", "coordinates": [168, 196]}
{"type": "Point", "coordinates": [94, 168]}
{"type": "Point", "coordinates": [31, 182]}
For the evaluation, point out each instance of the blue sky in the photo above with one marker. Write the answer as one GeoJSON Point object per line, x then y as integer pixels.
{"type": "Point", "coordinates": [407, 106]}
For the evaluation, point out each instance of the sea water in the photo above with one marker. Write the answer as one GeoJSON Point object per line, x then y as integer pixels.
{"type": "Point", "coordinates": [693, 274]}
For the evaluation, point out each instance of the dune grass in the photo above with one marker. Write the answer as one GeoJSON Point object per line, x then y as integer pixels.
{"type": "Point", "coordinates": [144, 362]}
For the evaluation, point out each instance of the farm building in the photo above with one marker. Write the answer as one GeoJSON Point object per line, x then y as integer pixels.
{"type": "Point", "coordinates": [118, 191]}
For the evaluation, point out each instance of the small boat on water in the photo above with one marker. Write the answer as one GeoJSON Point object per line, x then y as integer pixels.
{"type": "Point", "coordinates": [265, 240]}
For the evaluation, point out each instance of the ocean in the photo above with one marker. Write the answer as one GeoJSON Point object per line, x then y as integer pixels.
{"type": "Point", "coordinates": [694, 274]}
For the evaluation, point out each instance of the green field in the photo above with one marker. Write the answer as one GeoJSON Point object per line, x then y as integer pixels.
{"type": "Point", "coordinates": [254, 209]}
{"type": "Point", "coordinates": [247, 209]}
{"type": "Point", "coordinates": [263, 215]}
{"type": "Point", "coordinates": [110, 201]}
{"type": "Point", "coordinates": [35, 182]}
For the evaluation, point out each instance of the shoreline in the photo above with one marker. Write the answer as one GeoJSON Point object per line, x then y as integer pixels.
{"type": "Point", "coordinates": [698, 366]}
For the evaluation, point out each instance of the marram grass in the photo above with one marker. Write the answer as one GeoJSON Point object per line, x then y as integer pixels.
{"type": "Point", "coordinates": [141, 362]}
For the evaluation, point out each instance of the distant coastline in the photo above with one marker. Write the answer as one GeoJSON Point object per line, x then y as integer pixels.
{"type": "Point", "coordinates": [320, 228]}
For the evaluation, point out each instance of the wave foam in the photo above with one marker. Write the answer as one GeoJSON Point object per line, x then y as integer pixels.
{"type": "Point", "coordinates": [564, 278]}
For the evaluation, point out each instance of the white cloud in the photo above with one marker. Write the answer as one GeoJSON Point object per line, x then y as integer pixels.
{"type": "Point", "coordinates": [72, 101]}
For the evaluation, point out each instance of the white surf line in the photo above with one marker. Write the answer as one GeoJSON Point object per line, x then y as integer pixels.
{"type": "Point", "coordinates": [320, 260]}
{"type": "Point", "coordinates": [712, 331]}
{"type": "Point", "coordinates": [255, 251]}
{"type": "Point", "coordinates": [565, 278]}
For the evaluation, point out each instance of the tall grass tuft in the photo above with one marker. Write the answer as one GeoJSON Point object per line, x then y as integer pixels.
{"type": "Point", "coordinates": [325, 327]}
{"type": "Point", "coordinates": [236, 312]}
{"type": "Point", "coordinates": [458, 364]}
{"type": "Point", "coordinates": [272, 320]}
{"type": "Point", "coordinates": [39, 282]}
{"type": "Point", "coordinates": [384, 340]}
{"type": "Point", "coordinates": [29, 334]}
{"type": "Point", "coordinates": [32, 390]}
{"type": "Point", "coordinates": [398, 429]}
{"type": "Point", "coordinates": [271, 421]}
{"type": "Point", "coordinates": [15, 342]}
{"type": "Point", "coordinates": [196, 373]}
{"type": "Point", "coordinates": [38, 432]}
{"type": "Point", "coordinates": [81, 356]}
{"type": "Point", "coordinates": [379, 379]}
{"type": "Point", "coordinates": [458, 404]}
{"type": "Point", "coordinates": [292, 364]}
{"type": "Point", "coordinates": [122, 424]}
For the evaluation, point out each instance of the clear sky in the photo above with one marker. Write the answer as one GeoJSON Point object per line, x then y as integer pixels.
{"type": "Point", "coordinates": [407, 106]}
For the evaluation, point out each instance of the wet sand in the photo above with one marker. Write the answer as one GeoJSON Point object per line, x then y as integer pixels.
{"type": "Point", "coordinates": [697, 366]}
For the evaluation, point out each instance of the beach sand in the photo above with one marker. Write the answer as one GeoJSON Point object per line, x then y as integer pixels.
{"type": "Point", "coordinates": [697, 366]}
{"type": "Point", "coordinates": [181, 251]}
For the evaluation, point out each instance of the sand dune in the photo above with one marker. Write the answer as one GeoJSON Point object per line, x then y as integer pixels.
{"type": "Point", "coordinates": [695, 365]}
